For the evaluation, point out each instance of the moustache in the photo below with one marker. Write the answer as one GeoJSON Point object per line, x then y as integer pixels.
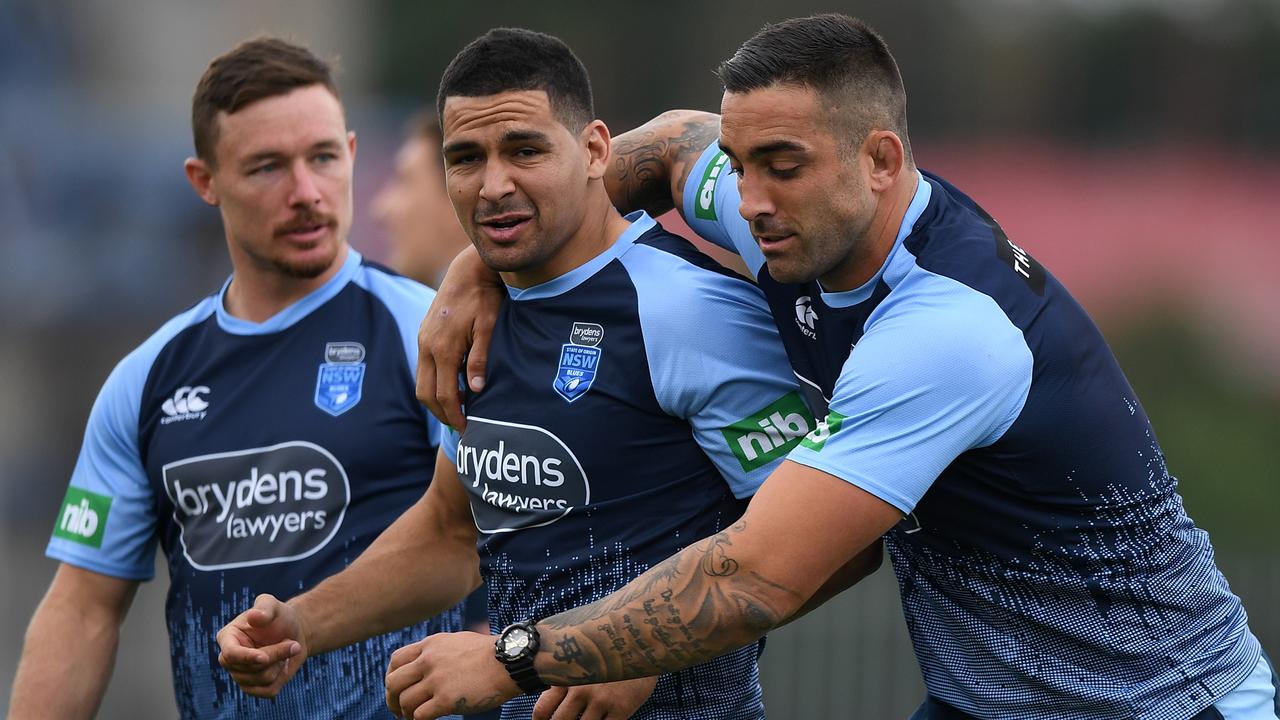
{"type": "Point", "coordinates": [769, 227]}
{"type": "Point", "coordinates": [487, 212]}
{"type": "Point", "coordinates": [305, 219]}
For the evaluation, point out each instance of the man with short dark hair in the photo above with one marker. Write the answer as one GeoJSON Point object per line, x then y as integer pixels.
{"type": "Point", "coordinates": [263, 437]}
{"type": "Point", "coordinates": [974, 418]}
{"type": "Point", "coordinates": [413, 206]}
{"type": "Point", "coordinates": [615, 363]}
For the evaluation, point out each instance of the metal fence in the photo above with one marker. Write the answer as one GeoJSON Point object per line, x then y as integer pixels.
{"type": "Point", "coordinates": [851, 657]}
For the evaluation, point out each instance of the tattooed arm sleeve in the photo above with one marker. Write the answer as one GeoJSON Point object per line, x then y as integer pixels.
{"type": "Point", "coordinates": [651, 163]}
{"type": "Point", "coordinates": [721, 592]}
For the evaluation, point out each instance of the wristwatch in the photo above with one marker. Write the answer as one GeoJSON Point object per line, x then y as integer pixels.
{"type": "Point", "coordinates": [515, 648]}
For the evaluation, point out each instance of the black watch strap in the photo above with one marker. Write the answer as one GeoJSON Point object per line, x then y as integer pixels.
{"type": "Point", "coordinates": [526, 675]}
{"type": "Point", "coordinates": [520, 667]}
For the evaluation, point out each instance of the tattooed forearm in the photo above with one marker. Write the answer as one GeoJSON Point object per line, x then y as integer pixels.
{"type": "Point", "coordinates": [694, 606]}
{"type": "Point", "coordinates": [651, 163]}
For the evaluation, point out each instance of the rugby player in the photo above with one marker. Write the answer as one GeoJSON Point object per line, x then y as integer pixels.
{"type": "Point", "coordinates": [264, 437]}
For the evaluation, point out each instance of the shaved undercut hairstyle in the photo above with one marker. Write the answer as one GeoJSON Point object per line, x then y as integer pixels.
{"type": "Point", "coordinates": [254, 70]}
{"type": "Point", "coordinates": [841, 58]}
{"type": "Point", "coordinates": [506, 59]}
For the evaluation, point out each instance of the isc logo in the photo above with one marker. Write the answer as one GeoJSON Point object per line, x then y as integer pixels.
{"type": "Point", "coordinates": [770, 433]}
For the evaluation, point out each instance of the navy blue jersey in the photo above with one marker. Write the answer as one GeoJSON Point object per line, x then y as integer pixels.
{"type": "Point", "coordinates": [1046, 564]}
{"type": "Point", "coordinates": [619, 425]}
{"type": "Point", "coordinates": [263, 458]}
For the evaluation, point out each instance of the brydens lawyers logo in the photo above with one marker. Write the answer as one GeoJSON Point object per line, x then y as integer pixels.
{"type": "Point", "coordinates": [187, 403]}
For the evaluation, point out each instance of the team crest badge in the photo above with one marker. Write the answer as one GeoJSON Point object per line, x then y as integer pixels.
{"type": "Point", "coordinates": [341, 379]}
{"type": "Point", "coordinates": [579, 361]}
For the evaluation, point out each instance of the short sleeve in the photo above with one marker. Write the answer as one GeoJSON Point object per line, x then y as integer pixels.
{"type": "Point", "coordinates": [716, 360]}
{"type": "Point", "coordinates": [931, 378]}
{"type": "Point", "coordinates": [711, 208]}
{"type": "Point", "coordinates": [107, 520]}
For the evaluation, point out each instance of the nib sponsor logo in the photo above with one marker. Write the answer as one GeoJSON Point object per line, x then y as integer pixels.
{"type": "Point", "coordinates": [83, 517]}
{"type": "Point", "coordinates": [518, 476]}
{"type": "Point", "coordinates": [187, 403]}
{"type": "Point", "coordinates": [259, 506]}
{"type": "Point", "coordinates": [771, 433]}
{"type": "Point", "coordinates": [830, 425]}
{"type": "Point", "coordinates": [705, 208]}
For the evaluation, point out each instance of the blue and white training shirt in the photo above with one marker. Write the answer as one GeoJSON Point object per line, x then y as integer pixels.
{"type": "Point", "coordinates": [1046, 564]}
{"type": "Point", "coordinates": [620, 424]}
{"type": "Point", "coordinates": [263, 458]}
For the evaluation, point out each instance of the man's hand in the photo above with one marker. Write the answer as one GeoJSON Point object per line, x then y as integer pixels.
{"type": "Point", "coordinates": [263, 647]}
{"type": "Point", "coordinates": [459, 324]}
{"type": "Point", "coordinates": [609, 701]}
{"type": "Point", "coordinates": [445, 674]}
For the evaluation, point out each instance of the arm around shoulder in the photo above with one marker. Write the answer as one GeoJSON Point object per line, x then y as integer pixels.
{"type": "Point", "coordinates": [70, 646]}
{"type": "Point", "coordinates": [651, 163]}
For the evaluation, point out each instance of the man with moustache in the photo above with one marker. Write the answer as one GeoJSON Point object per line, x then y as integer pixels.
{"type": "Point", "coordinates": [264, 437]}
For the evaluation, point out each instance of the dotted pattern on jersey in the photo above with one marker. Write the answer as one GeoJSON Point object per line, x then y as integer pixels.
{"type": "Point", "coordinates": [345, 683]}
{"type": "Point", "coordinates": [727, 688]}
{"type": "Point", "coordinates": [1087, 631]}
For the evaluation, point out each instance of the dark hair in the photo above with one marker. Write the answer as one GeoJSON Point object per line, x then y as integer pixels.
{"type": "Point", "coordinates": [838, 56]}
{"type": "Point", "coordinates": [254, 70]}
{"type": "Point", "coordinates": [506, 59]}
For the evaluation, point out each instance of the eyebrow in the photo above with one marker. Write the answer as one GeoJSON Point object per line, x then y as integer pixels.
{"type": "Point", "coordinates": [509, 137]}
{"type": "Point", "coordinates": [275, 154]}
{"type": "Point", "coordinates": [778, 146]}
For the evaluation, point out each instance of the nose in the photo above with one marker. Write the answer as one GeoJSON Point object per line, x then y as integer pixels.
{"type": "Point", "coordinates": [754, 200]}
{"type": "Point", "coordinates": [305, 191]}
{"type": "Point", "coordinates": [496, 182]}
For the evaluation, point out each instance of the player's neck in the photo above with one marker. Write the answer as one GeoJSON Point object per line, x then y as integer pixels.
{"type": "Point", "coordinates": [874, 249]}
{"type": "Point", "coordinates": [259, 293]}
{"type": "Point", "coordinates": [600, 229]}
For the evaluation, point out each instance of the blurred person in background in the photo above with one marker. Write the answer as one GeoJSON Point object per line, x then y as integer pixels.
{"type": "Point", "coordinates": [414, 209]}
{"type": "Point", "coordinates": [264, 437]}
{"type": "Point", "coordinates": [974, 417]}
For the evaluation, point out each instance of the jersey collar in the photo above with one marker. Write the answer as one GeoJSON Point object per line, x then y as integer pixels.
{"type": "Point", "coordinates": [293, 313]}
{"type": "Point", "coordinates": [641, 223]}
{"type": "Point", "coordinates": [919, 202]}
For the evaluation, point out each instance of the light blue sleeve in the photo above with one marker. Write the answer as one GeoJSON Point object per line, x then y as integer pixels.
{"type": "Point", "coordinates": [716, 360]}
{"type": "Point", "coordinates": [448, 440]}
{"type": "Point", "coordinates": [107, 521]}
{"type": "Point", "coordinates": [408, 302]}
{"type": "Point", "coordinates": [935, 375]}
{"type": "Point", "coordinates": [711, 208]}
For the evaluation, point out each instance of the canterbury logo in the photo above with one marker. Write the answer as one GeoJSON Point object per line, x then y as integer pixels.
{"type": "Point", "coordinates": [187, 403]}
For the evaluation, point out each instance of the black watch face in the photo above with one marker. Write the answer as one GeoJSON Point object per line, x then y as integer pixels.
{"type": "Point", "coordinates": [515, 641]}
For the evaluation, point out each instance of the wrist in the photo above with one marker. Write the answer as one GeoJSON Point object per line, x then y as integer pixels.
{"type": "Point", "coordinates": [515, 648]}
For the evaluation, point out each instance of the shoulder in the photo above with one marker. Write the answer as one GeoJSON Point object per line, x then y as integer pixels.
{"type": "Point", "coordinates": [397, 292]}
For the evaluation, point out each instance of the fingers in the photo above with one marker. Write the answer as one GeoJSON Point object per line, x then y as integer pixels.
{"type": "Point", "coordinates": [404, 656]}
{"type": "Point", "coordinates": [237, 657]}
{"type": "Point", "coordinates": [548, 701]}
{"type": "Point", "coordinates": [478, 358]}
{"type": "Point", "coordinates": [425, 387]}
{"type": "Point", "coordinates": [573, 705]}
{"type": "Point", "coordinates": [448, 395]}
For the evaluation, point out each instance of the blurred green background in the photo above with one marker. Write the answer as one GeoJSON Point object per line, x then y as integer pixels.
{"type": "Point", "coordinates": [1132, 146]}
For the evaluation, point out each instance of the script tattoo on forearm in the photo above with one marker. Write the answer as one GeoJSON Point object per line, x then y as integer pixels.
{"type": "Point", "coordinates": [465, 707]}
{"type": "Point", "coordinates": [692, 607]}
{"type": "Point", "coordinates": [643, 159]}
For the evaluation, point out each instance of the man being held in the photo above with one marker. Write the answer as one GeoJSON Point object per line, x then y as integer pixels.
{"type": "Point", "coordinates": [974, 417]}
{"type": "Point", "coordinates": [264, 437]}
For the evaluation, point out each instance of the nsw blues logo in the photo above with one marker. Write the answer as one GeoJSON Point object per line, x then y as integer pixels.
{"type": "Point", "coordinates": [341, 379]}
{"type": "Point", "coordinates": [579, 361]}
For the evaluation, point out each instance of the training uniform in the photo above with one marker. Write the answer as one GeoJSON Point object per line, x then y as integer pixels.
{"type": "Point", "coordinates": [619, 425]}
{"type": "Point", "coordinates": [1046, 565]}
{"type": "Point", "coordinates": [264, 458]}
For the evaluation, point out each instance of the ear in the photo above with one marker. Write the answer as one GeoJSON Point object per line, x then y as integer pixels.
{"type": "Point", "coordinates": [351, 144]}
{"type": "Point", "coordinates": [596, 138]}
{"type": "Point", "coordinates": [886, 159]}
{"type": "Point", "coordinates": [201, 179]}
